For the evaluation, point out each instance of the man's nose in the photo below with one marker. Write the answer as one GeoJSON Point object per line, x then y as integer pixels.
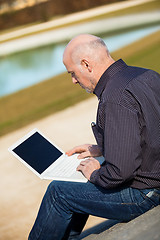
{"type": "Point", "coordinates": [74, 80]}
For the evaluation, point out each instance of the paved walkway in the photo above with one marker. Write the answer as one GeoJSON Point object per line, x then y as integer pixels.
{"type": "Point", "coordinates": [71, 18]}
{"type": "Point", "coordinates": [66, 33]}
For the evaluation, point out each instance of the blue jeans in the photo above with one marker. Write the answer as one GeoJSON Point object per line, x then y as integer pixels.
{"type": "Point", "coordinates": [66, 206]}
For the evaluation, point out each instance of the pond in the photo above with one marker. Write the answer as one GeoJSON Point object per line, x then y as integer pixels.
{"type": "Point", "coordinates": [26, 68]}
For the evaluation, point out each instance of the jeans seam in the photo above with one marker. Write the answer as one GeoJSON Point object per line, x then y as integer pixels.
{"type": "Point", "coordinates": [44, 224]}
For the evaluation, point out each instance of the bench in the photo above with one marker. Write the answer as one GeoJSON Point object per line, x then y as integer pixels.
{"type": "Point", "coordinates": [144, 227]}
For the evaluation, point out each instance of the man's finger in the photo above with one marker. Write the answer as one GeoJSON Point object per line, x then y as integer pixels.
{"type": "Point", "coordinates": [81, 166]}
{"type": "Point", "coordinates": [77, 149]}
{"type": "Point", "coordinates": [72, 151]}
{"type": "Point", "coordinates": [84, 155]}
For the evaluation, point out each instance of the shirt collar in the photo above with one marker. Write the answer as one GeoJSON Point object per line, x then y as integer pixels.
{"type": "Point", "coordinates": [107, 75]}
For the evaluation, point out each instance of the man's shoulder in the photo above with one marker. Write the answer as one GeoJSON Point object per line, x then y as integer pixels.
{"type": "Point", "coordinates": [125, 80]}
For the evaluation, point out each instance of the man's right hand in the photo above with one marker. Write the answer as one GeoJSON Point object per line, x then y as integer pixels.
{"type": "Point", "coordinates": [86, 150]}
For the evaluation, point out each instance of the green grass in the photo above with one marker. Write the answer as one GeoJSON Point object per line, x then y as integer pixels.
{"type": "Point", "coordinates": [38, 101]}
{"type": "Point", "coordinates": [145, 7]}
{"type": "Point", "coordinates": [144, 53]}
{"type": "Point", "coordinates": [58, 93]}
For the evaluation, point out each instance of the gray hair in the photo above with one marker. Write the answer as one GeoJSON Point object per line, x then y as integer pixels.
{"type": "Point", "coordinates": [91, 49]}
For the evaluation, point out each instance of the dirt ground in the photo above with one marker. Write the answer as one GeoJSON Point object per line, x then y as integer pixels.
{"type": "Point", "coordinates": [21, 191]}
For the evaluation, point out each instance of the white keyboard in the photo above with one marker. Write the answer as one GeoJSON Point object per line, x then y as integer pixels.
{"type": "Point", "coordinates": [66, 168]}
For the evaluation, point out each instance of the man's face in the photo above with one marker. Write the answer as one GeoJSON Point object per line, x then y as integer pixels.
{"type": "Point", "coordinates": [80, 75]}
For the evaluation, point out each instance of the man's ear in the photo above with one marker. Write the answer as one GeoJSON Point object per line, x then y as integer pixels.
{"type": "Point", "coordinates": [86, 64]}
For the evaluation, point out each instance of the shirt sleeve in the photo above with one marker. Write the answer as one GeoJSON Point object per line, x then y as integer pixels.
{"type": "Point", "coordinates": [122, 147]}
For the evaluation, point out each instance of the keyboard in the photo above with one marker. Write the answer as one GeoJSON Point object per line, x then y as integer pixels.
{"type": "Point", "coordinates": [66, 168]}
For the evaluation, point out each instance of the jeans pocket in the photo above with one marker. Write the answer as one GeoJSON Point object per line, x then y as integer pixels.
{"type": "Point", "coordinates": [136, 202]}
{"type": "Point", "coordinates": [150, 199]}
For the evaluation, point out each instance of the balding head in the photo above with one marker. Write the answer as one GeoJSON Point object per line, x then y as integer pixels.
{"type": "Point", "coordinates": [86, 46]}
{"type": "Point", "coordinates": [87, 52]}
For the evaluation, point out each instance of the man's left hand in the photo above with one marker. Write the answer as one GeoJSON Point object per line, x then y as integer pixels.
{"type": "Point", "coordinates": [88, 166]}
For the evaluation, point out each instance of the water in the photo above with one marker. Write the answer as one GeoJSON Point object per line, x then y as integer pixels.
{"type": "Point", "coordinates": [24, 69]}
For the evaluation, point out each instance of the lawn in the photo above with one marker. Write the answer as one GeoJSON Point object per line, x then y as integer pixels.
{"type": "Point", "coordinates": [58, 93]}
{"type": "Point", "coordinates": [144, 53]}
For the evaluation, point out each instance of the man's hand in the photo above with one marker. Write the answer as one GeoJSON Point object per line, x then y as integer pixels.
{"type": "Point", "coordinates": [86, 150]}
{"type": "Point", "coordinates": [88, 166]}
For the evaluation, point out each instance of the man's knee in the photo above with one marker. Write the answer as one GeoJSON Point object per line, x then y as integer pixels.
{"type": "Point", "coordinates": [52, 187]}
{"type": "Point", "coordinates": [58, 193]}
{"type": "Point", "coordinates": [55, 188]}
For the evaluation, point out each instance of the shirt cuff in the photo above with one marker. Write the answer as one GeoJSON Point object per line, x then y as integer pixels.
{"type": "Point", "coordinates": [94, 176]}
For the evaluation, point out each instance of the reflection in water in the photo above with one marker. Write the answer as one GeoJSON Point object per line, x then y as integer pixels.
{"type": "Point", "coordinates": [27, 68]}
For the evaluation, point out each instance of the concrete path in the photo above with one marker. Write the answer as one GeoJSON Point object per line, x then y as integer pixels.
{"type": "Point", "coordinates": [71, 18]}
{"type": "Point", "coordinates": [66, 33]}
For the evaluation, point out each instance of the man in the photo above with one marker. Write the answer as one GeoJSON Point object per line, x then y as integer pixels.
{"type": "Point", "coordinates": [128, 136]}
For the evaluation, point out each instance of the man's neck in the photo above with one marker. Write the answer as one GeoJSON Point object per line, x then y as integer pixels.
{"type": "Point", "coordinates": [103, 68]}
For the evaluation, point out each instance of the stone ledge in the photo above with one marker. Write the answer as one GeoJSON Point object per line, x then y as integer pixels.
{"type": "Point", "coordinates": [144, 227]}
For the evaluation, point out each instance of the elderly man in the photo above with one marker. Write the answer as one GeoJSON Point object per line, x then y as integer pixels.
{"type": "Point", "coordinates": [127, 132]}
